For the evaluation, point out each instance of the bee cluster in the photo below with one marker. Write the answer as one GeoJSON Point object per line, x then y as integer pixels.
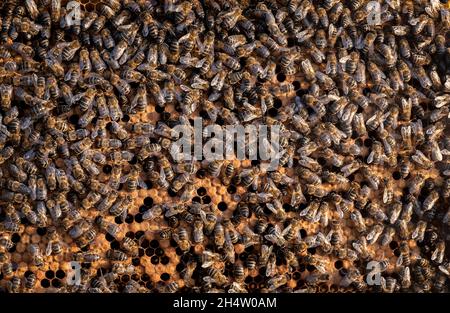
{"type": "Point", "coordinates": [87, 121]}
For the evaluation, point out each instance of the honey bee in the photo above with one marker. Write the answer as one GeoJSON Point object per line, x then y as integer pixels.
{"type": "Point", "coordinates": [276, 282]}
{"type": "Point", "coordinates": [388, 192]}
{"type": "Point", "coordinates": [11, 196]}
{"type": "Point", "coordinates": [120, 206]}
{"type": "Point", "coordinates": [54, 245]}
{"type": "Point", "coordinates": [106, 226]}
{"type": "Point", "coordinates": [86, 257]}
{"type": "Point", "coordinates": [107, 201]}
{"type": "Point", "coordinates": [30, 281]}
{"type": "Point", "coordinates": [438, 253]}
{"type": "Point", "coordinates": [275, 236]}
{"type": "Point", "coordinates": [430, 200]}
{"type": "Point", "coordinates": [171, 287]}
{"type": "Point", "coordinates": [13, 286]}
{"type": "Point", "coordinates": [6, 96]}
{"type": "Point", "coordinates": [219, 235]}
{"type": "Point", "coordinates": [5, 154]}
{"type": "Point", "coordinates": [130, 246]}
{"type": "Point", "coordinates": [197, 232]}
{"type": "Point", "coordinates": [35, 252]}
{"type": "Point", "coordinates": [214, 168]}
{"type": "Point", "coordinates": [421, 159]}
{"type": "Point", "coordinates": [182, 239]}
{"type": "Point", "coordinates": [116, 255]}
{"type": "Point", "coordinates": [180, 181]}
{"type": "Point", "coordinates": [6, 243]}
{"type": "Point", "coordinates": [12, 214]}
{"type": "Point", "coordinates": [29, 214]}
{"type": "Point", "coordinates": [122, 86]}
{"type": "Point", "coordinates": [41, 189]}
{"type": "Point", "coordinates": [402, 227]}
{"type": "Point", "coordinates": [374, 234]}
{"type": "Point", "coordinates": [18, 187]}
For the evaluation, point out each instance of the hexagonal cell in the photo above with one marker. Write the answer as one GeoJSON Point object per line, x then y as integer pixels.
{"type": "Point", "coordinates": [154, 260]}
{"type": "Point", "coordinates": [145, 243]}
{"type": "Point", "coordinates": [45, 283]}
{"type": "Point", "coordinates": [154, 244]}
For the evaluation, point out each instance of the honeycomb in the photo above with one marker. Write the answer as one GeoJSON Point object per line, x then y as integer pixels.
{"type": "Point", "coordinates": [160, 263]}
{"type": "Point", "coordinates": [87, 5]}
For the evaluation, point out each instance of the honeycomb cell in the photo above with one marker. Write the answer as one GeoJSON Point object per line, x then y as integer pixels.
{"type": "Point", "coordinates": [201, 191]}
{"type": "Point", "coordinates": [154, 260]}
{"type": "Point", "coordinates": [145, 243]}
{"type": "Point", "coordinates": [148, 201]}
{"type": "Point", "coordinates": [165, 276]}
{"type": "Point", "coordinates": [50, 274]}
{"type": "Point", "coordinates": [60, 274]}
{"type": "Point", "coordinates": [45, 283]}
{"type": "Point", "coordinates": [15, 238]}
{"type": "Point", "coordinates": [129, 219]}
{"type": "Point", "coordinates": [56, 283]}
{"type": "Point", "coordinates": [159, 251]}
{"type": "Point", "coordinates": [165, 260]}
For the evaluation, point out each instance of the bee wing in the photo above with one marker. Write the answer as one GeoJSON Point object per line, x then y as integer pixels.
{"type": "Point", "coordinates": [394, 216]}
{"type": "Point", "coordinates": [383, 282]}
{"type": "Point", "coordinates": [343, 60]}
{"type": "Point", "coordinates": [290, 163]}
{"type": "Point", "coordinates": [415, 233]}
{"type": "Point", "coordinates": [385, 195]}
{"type": "Point", "coordinates": [317, 217]}
{"type": "Point", "coordinates": [124, 178]}
{"type": "Point", "coordinates": [184, 38]}
{"type": "Point", "coordinates": [255, 183]}
{"type": "Point", "coordinates": [78, 96]}
{"type": "Point", "coordinates": [95, 132]}
{"type": "Point", "coordinates": [263, 105]}
{"type": "Point", "coordinates": [200, 63]}
{"type": "Point", "coordinates": [25, 123]}
{"type": "Point", "coordinates": [437, 256]}
{"type": "Point", "coordinates": [124, 214]}
{"type": "Point", "coordinates": [271, 208]}
{"type": "Point", "coordinates": [176, 237]}
{"type": "Point", "coordinates": [209, 279]}
{"type": "Point", "coordinates": [171, 212]}
{"type": "Point", "coordinates": [277, 229]}
{"type": "Point", "coordinates": [33, 192]}
{"type": "Point", "coordinates": [304, 212]}
{"type": "Point", "coordinates": [359, 42]}
{"type": "Point", "coordinates": [203, 216]}
{"type": "Point", "coordinates": [286, 230]}
{"type": "Point", "coordinates": [321, 268]}
{"type": "Point", "coordinates": [29, 155]}
{"type": "Point", "coordinates": [271, 269]}
{"type": "Point", "coordinates": [330, 234]}
{"type": "Point", "coordinates": [444, 270]}
{"type": "Point", "coordinates": [414, 21]}
{"type": "Point", "coordinates": [357, 246]}
{"type": "Point", "coordinates": [370, 157]}
{"type": "Point", "coordinates": [271, 237]}
{"type": "Point", "coordinates": [48, 249]}
{"type": "Point", "coordinates": [142, 184]}
{"type": "Point", "coordinates": [216, 80]}
{"type": "Point", "coordinates": [370, 235]}
{"type": "Point", "coordinates": [399, 261]}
